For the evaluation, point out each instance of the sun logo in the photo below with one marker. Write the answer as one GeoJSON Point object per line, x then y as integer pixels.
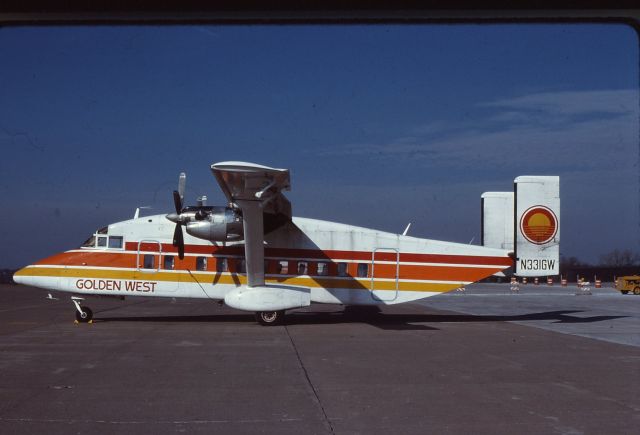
{"type": "Point", "coordinates": [539, 225]}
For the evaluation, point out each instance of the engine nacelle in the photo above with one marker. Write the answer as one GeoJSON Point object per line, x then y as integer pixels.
{"type": "Point", "coordinates": [221, 224]}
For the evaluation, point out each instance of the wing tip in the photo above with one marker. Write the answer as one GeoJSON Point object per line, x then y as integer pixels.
{"type": "Point", "coordinates": [242, 166]}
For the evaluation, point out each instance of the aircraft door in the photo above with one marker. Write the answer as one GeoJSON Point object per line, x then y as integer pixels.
{"type": "Point", "coordinates": [150, 262]}
{"type": "Point", "coordinates": [385, 270]}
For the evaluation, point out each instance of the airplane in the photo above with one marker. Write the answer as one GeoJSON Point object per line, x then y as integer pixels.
{"type": "Point", "coordinates": [253, 255]}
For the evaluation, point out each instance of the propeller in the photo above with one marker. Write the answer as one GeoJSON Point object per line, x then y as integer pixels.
{"type": "Point", "coordinates": [184, 215]}
{"type": "Point", "coordinates": [182, 180]}
{"type": "Point", "coordinates": [178, 199]}
{"type": "Point", "coordinates": [178, 240]}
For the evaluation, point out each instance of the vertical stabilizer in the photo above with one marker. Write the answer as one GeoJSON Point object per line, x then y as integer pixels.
{"type": "Point", "coordinates": [497, 220]}
{"type": "Point", "coordinates": [537, 225]}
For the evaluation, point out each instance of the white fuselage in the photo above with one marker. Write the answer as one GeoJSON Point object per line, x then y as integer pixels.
{"type": "Point", "coordinates": [339, 263]}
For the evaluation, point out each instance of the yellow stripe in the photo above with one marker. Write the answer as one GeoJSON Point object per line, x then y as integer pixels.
{"type": "Point", "coordinates": [226, 278]}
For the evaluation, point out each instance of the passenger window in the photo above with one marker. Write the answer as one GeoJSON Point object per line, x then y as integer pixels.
{"type": "Point", "coordinates": [302, 267]}
{"type": "Point", "coordinates": [149, 261]}
{"type": "Point", "coordinates": [283, 267]}
{"type": "Point", "coordinates": [363, 270]}
{"type": "Point", "coordinates": [241, 265]}
{"type": "Point", "coordinates": [221, 265]}
{"type": "Point", "coordinates": [201, 263]}
{"type": "Point", "coordinates": [102, 242]}
{"type": "Point", "coordinates": [115, 242]}
{"type": "Point", "coordinates": [169, 262]}
{"type": "Point", "coordinates": [323, 269]}
{"type": "Point", "coordinates": [342, 269]}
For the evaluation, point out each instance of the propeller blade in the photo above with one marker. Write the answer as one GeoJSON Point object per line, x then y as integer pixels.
{"type": "Point", "coordinates": [177, 201]}
{"type": "Point", "coordinates": [182, 181]}
{"type": "Point", "coordinates": [178, 241]}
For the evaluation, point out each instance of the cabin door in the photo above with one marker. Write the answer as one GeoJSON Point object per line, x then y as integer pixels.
{"type": "Point", "coordinates": [385, 270]}
{"type": "Point", "coordinates": [151, 263]}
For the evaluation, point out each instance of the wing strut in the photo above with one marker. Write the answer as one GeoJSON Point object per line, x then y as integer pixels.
{"type": "Point", "coordinates": [253, 241]}
{"type": "Point", "coordinates": [256, 190]}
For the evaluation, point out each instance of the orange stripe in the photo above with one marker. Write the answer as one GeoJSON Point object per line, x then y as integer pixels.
{"type": "Point", "coordinates": [388, 271]}
{"type": "Point", "coordinates": [329, 255]}
{"type": "Point", "coordinates": [226, 278]}
{"type": "Point", "coordinates": [435, 273]}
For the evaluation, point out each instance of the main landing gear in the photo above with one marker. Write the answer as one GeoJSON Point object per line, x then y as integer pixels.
{"type": "Point", "coordinates": [83, 314]}
{"type": "Point", "coordinates": [270, 318]}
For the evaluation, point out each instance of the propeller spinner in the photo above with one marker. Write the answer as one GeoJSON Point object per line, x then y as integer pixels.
{"type": "Point", "coordinates": [220, 224]}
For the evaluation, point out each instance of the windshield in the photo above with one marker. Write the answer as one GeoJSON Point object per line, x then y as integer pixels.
{"type": "Point", "coordinates": [90, 242]}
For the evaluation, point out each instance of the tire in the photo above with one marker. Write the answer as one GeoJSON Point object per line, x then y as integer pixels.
{"type": "Point", "coordinates": [624, 292]}
{"type": "Point", "coordinates": [270, 318]}
{"type": "Point", "coordinates": [86, 316]}
{"type": "Point", "coordinates": [636, 291]}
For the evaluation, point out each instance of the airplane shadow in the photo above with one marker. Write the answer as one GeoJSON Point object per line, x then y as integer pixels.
{"type": "Point", "coordinates": [408, 321]}
{"type": "Point", "coordinates": [382, 321]}
{"type": "Point", "coordinates": [372, 316]}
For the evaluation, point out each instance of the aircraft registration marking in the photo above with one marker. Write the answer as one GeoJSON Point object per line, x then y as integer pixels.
{"type": "Point", "coordinates": [536, 264]}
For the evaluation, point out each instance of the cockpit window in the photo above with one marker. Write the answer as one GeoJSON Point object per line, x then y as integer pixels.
{"type": "Point", "coordinates": [115, 242]}
{"type": "Point", "coordinates": [102, 230]}
{"type": "Point", "coordinates": [90, 242]}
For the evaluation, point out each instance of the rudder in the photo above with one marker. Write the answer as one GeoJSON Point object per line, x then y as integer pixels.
{"type": "Point", "coordinates": [537, 225]}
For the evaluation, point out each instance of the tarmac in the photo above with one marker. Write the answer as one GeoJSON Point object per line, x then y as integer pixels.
{"type": "Point", "coordinates": [483, 361]}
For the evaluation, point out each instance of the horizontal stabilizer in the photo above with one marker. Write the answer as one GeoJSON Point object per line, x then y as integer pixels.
{"type": "Point", "coordinates": [268, 298]}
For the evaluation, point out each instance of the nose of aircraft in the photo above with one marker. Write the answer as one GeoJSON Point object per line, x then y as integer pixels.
{"type": "Point", "coordinates": [21, 276]}
{"type": "Point", "coordinates": [37, 277]}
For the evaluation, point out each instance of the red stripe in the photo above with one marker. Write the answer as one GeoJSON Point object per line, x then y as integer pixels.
{"type": "Point", "coordinates": [335, 255]}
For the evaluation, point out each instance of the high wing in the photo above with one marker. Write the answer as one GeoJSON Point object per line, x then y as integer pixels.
{"type": "Point", "coordinates": [242, 180]}
{"type": "Point", "coordinates": [257, 191]}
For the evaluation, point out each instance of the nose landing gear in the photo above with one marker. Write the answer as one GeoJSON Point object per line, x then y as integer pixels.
{"type": "Point", "coordinates": [83, 314]}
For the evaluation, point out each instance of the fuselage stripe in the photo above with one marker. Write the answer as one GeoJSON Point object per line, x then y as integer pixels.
{"type": "Point", "coordinates": [179, 278]}
{"type": "Point", "coordinates": [331, 255]}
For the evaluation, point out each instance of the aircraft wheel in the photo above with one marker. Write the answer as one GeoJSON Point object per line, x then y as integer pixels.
{"type": "Point", "coordinates": [86, 315]}
{"type": "Point", "coordinates": [268, 318]}
{"type": "Point", "coordinates": [624, 292]}
{"type": "Point", "coordinates": [636, 291]}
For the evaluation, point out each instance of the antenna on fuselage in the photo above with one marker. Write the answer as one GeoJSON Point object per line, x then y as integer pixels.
{"type": "Point", "coordinates": [406, 230]}
{"type": "Point", "coordinates": [137, 213]}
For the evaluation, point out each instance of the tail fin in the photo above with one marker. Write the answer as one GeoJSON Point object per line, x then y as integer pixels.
{"type": "Point", "coordinates": [530, 217]}
{"type": "Point", "coordinates": [497, 220]}
{"type": "Point", "coordinates": [537, 225]}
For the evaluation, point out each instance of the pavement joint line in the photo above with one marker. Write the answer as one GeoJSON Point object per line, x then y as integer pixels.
{"type": "Point", "coordinates": [28, 307]}
{"type": "Point", "coordinates": [520, 378]}
{"type": "Point", "coordinates": [71, 374]}
{"type": "Point", "coordinates": [53, 322]}
{"type": "Point", "coordinates": [50, 322]}
{"type": "Point", "coordinates": [134, 422]}
{"type": "Point", "coordinates": [306, 375]}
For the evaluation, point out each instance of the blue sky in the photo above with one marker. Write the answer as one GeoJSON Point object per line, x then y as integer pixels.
{"type": "Point", "coordinates": [380, 125]}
